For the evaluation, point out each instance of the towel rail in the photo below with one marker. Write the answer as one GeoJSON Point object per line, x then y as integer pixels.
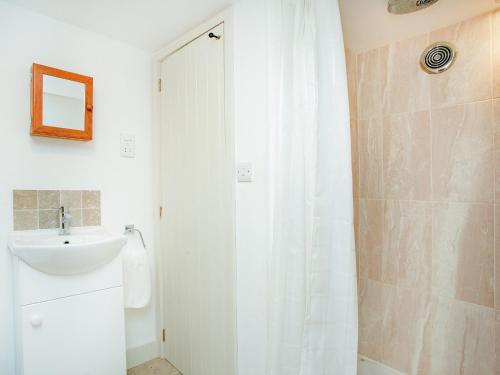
{"type": "Point", "coordinates": [131, 229]}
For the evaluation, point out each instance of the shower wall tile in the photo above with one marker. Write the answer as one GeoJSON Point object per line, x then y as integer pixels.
{"type": "Point", "coordinates": [497, 342]}
{"type": "Point", "coordinates": [351, 81]}
{"type": "Point", "coordinates": [496, 120]}
{"type": "Point", "coordinates": [470, 78]}
{"type": "Point", "coordinates": [463, 252]}
{"type": "Point", "coordinates": [497, 261]}
{"type": "Point", "coordinates": [407, 253]}
{"type": "Point", "coordinates": [370, 144]}
{"type": "Point", "coordinates": [373, 309]}
{"type": "Point", "coordinates": [459, 338]}
{"type": "Point", "coordinates": [371, 77]}
{"type": "Point", "coordinates": [354, 156]}
{"type": "Point", "coordinates": [407, 86]}
{"type": "Point", "coordinates": [371, 238]}
{"type": "Point", "coordinates": [356, 233]}
{"type": "Point", "coordinates": [462, 153]}
{"type": "Point", "coordinates": [407, 156]}
{"type": "Point", "coordinates": [496, 54]}
{"type": "Point", "coordinates": [429, 228]}
{"type": "Point", "coordinates": [403, 328]}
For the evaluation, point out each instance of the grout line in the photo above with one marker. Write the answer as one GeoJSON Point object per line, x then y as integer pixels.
{"type": "Point", "coordinates": [382, 115]}
{"type": "Point", "coordinates": [492, 203]}
{"type": "Point", "coordinates": [431, 292]}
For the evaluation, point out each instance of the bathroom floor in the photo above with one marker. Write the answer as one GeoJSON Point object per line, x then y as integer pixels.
{"type": "Point", "coordinates": [155, 367]}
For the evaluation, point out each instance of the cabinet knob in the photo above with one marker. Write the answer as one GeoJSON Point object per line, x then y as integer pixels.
{"type": "Point", "coordinates": [36, 321]}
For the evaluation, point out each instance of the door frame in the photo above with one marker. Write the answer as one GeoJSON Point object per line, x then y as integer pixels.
{"type": "Point", "coordinates": [226, 18]}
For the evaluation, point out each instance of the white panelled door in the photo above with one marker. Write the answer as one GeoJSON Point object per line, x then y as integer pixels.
{"type": "Point", "coordinates": [197, 241]}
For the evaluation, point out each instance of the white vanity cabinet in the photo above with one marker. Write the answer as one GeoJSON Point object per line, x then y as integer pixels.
{"type": "Point", "coordinates": [81, 333]}
{"type": "Point", "coordinates": [70, 324]}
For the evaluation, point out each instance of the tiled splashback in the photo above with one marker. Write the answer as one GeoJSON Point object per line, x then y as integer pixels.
{"type": "Point", "coordinates": [39, 209]}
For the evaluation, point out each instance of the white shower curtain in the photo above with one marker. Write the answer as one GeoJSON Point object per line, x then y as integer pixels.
{"type": "Point", "coordinates": [313, 298]}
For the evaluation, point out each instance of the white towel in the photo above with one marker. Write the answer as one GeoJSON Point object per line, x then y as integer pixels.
{"type": "Point", "coordinates": [136, 276]}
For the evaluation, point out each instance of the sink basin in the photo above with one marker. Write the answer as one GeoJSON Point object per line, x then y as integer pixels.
{"type": "Point", "coordinates": [84, 250]}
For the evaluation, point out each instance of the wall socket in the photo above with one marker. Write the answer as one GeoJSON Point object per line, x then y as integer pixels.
{"type": "Point", "coordinates": [245, 172]}
{"type": "Point", "coordinates": [127, 145]}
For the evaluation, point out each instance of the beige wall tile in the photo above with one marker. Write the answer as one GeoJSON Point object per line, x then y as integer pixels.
{"type": "Point", "coordinates": [407, 156]}
{"type": "Point", "coordinates": [371, 238]}
{"type": "Point", "coordinates": [91, 199]}
{"type": "Point", "coordinates": [497, 260]}
{"type": "Point", "coordinates": [463, 253]}
{"type": "Point", "coordinates": [459, 339]}
{"type": "Point", "coordinates": [25, 219]}
{"type": "Point", "coordinates": [496, 54]}
{"type": "Point", "coordinates": [496, 120]}
{"type": "Point", "coordinates": [71, 198]}
{"type": "Point", "coordinates": [355, 157]}
{"type": "Point", "coordinates": [469, 79]}
{"type": "Point", "coordinates": [351, 81]}
{"type": "Point", "coordinates": [403, 329]}
{"type": "Point", "coordinates": [371, 76]}
{"type": "Point", "coordinates": [373, 309]}
{"type": "Point", "coordinates": [76, 217]}
{"type": "Point", "coordinates": [407, 87]}
{"type": "Point", "coordinates": [408, 244]}
{"type": "Point", "coordinates": [462, 153]}
{"type": "Point", "coordinates": [370, 158]}
{"type": "Point", "coordinates": [25, 199]}
{"type": "Point", "coordinates": [497, 342]}
{"type": "Point", "coordinates": [46, 204]}
{"type": "Point", "coordinates": [407, 254]}
{"type": "Point", "coordinates": [49, 199]}
{"type": "Point", "coordinates": [91, 217]}
{"type": "Point", "coordinates": [356, 232]}
{"type": "Point", "coordinates": [48, 219]}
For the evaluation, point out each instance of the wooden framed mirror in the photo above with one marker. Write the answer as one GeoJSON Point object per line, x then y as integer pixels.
{"type": "Point", "coordinates": [61, 104]}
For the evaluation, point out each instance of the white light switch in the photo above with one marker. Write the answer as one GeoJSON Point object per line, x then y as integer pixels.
{"type": "Point", "coordinates": [245, 172]}
{"type": "Point", "coordinates": [127, 146]}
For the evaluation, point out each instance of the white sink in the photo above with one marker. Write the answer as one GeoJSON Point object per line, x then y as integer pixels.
{"type": "Point", "coordinates": [84, 250]}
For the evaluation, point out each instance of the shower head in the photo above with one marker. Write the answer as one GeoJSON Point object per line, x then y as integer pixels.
{"type": "Point", "coordinates": [408, 6]}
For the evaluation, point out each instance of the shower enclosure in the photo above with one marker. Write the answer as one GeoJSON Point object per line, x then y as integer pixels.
{"type": "Point", "coordinates": [426, 173]}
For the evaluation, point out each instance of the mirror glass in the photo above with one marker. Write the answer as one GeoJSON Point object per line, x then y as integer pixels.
{"type": "Point", "coordinates": [63, 103]}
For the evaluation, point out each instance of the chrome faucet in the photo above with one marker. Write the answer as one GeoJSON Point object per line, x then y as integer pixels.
{"type": "Point", "coordinates": [64, 222]}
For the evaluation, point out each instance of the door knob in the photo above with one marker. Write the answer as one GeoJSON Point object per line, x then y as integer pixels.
{"type": "Point", "coordinates": [36, 321]}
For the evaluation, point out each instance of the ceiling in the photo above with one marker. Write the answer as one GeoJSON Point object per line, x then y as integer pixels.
{"type": "Point", "coordinates": [367, 24]}
{"type": "Point", "coordinates": [147, 24]}
{"type": "Point", "coordinates": [150, 24]}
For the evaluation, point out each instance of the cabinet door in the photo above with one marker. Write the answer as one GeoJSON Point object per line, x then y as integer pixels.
{"type": "Point", "coordinates": [79, 335]}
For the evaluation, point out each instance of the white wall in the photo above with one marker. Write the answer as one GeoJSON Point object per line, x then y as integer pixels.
{"type": "Point", "coordinates": [122, 100]}
{"type": "Point", "coordinates": [252, 200]}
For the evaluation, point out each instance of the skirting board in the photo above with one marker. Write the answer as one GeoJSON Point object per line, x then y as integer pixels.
{"type": "Point", "coordinates": [140, 354]}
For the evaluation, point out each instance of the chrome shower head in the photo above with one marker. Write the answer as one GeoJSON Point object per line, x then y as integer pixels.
{"type": "Point", "coordinates": [408, 6]}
